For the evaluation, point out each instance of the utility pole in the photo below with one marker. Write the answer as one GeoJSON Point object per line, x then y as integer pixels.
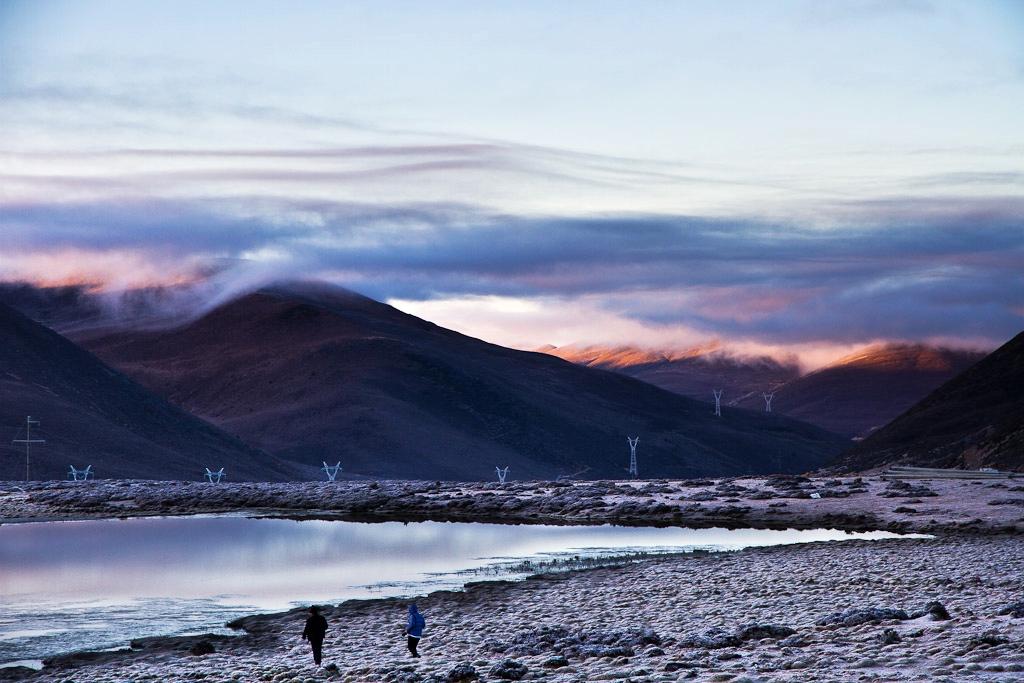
{"type": "Point", "coordinates": [28, 441]}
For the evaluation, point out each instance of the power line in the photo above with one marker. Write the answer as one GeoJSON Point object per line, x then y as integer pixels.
{"type": "Point", "coordinates": [28, 441]}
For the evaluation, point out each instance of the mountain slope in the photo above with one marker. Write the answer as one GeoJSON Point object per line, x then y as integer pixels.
{"type": "Point", "coordinates": [974, 420]}
{"type": "Point", "coordinates": [696, 372]}
{"type": "Point", "coordinates": [315, 373]}
{"type": "Point", "coordinates": [862, 392]}
{"type": "Point", "coordinates": [852, 397]}
{"type": "Point", "coordinates": [91, 415]}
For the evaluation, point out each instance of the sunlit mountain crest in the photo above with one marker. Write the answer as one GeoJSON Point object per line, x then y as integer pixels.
{"type": "Point", "coordinates": [625, 356]}
{"type": "Point", "coordinates": [901, 356]}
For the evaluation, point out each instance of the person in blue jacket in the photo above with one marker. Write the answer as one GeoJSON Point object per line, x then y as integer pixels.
{"type": "Point", "coordinates": [415, 628]}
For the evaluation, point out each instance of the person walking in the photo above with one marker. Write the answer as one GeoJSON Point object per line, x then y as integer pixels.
{"type": "Point", "coordinates": [316, 629]}
{"type": "Point", "coordinates": [414, 629]}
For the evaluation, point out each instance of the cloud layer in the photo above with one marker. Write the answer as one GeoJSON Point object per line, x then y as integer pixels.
{"type": "Point", "coordinates": [920, 270]}
{"type": "Point", "coordinates": [785, 175]}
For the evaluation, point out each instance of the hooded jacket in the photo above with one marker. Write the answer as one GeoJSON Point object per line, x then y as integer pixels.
{"type": "Point", "coordinates": [416, 622]}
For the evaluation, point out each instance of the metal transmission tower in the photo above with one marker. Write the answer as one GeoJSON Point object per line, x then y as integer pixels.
{"type": "Point", "coordinates": [331, 470]}
{"type": "Point", "coordinates": [768, 401]}
{"type": "Point", "coordinates": [718, 401]}
{"type": "Point", "coordinates": [81, 475]}
{"type": "Point", "coordinates": [502, 473]}
{"type": "Point", "coordinates": [214, 477]}
{"type": "Point", "coordinates": [28, 441]}
{"type": "Point", "coordinates": [632, 455]}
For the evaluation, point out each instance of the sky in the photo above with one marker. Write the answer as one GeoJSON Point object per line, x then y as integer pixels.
{"type": "Point", "coordinates": [799, 176]}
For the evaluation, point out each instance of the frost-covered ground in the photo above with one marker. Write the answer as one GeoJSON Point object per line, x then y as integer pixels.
{"type": "Point", "coordinates": [773, 502]}
{"type": "Point", "coordinates": [823, 612]}
{"type": "Point", "coordinates": [855, 611]}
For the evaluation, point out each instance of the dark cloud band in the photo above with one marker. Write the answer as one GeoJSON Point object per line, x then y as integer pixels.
{"type": "Point", "coordinates": [902, 271]}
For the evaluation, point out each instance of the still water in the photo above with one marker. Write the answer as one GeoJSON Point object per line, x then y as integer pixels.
{"type": "Point", "coordinates": [67, 586]}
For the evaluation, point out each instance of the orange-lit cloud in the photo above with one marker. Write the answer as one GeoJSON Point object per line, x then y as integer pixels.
{"type": "Point", "coordinates": [101, 270]}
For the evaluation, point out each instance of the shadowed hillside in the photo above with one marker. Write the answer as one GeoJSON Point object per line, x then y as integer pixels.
{"type": "Point", "coordinates": [90, 414]}
{"type": "Point", "coordinates": [314, 373]}
{"type": "Point", "coordinates": [696, 373]}
{"type": "Point", "coordinates": [974, 420]}
{"type": "Point", "coordinates": [852, 397]}
{"type": "Point", "coordinates": [860, 393]}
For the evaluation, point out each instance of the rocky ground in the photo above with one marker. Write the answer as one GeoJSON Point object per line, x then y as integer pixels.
{"type": "Point", "coordinates": [854, 504]}
{"type": "Point", "coordinates": [944, 608]}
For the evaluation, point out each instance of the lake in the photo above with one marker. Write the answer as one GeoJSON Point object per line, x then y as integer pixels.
{"type": "Point", "coordinates": [67, 586]}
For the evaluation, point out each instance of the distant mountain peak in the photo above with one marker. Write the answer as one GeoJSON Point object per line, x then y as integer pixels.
{"type": "Point", "coordinates": [622, 356]}
{"type": "Point", "coordinates": [973, 420]}
{"type": "Point", "coordinates": [905, 356]}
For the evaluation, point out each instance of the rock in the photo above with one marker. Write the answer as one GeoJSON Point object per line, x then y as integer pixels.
{"type": "Point", "coordinates": [606, 651]}
{"type": "Point", "coordinates": [903, 489]}
{"type": "Point", "coordinates": [794, 641]}
{"type": "Point", "coordinates": [711, 640]}
{"type": "Point", "coordinates": [16, 673]}
{"type": "Point", "coordinates": [655, 652]}
{"type": "Point", "coordinates": [935, 608]}
{"type": "Point", "coordinates": [462, 672]}
{"type": "Point", "coordinates": [889, 637]}
{"type": "Point", "coordinates": [203, 647]}
{"type": "Point", "coordinates": [989, 639]}
{"type": "Point", "coordinates": [509, 670]}
{"type": "Point", "coordinates": [581, 644]}
{"type": "Point", "coordinates": [555, 663]}
{"type": "Point", "coordinates": [649, 637]}
{"type": "Point", "coordinates": [759, 631]}
{"type": "Point", "coordinates": [856, 617]}
{"type": "Point", "coordinates": [405, 674]}
{"type": "Point", "coordinates": [1014, 609]}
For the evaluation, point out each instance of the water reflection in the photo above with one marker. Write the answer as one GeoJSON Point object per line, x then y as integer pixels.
{"type": "Point", "coordinates": [105, 582]}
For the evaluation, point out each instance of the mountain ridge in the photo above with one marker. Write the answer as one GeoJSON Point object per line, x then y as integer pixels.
{"type": "Point", "coordinates": [90, 414]}
{"type": "Point", "coordinates": [852, 396]}
{"type": "Point", "coordinates": [338, 376]}
{"type": "Point", "coordinates": [974, 420]}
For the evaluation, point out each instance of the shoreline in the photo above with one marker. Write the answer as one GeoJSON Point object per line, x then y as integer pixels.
{"type": "Point", "coordinates": [973, 566]}
{"type": "Point", "coordinates": [820, 611]}
{"type": "Point", "coordinates": [939, 506]}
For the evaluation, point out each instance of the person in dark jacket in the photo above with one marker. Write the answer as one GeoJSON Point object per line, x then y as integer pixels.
{"type": "Point", "coordinates": [316, 629]}
{"type": "Point", "coordinates": [414, 629]}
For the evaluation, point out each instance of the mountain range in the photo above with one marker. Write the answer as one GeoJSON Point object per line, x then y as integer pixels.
{"type": "Point", "coordinates": [276, 382]}
{"type": "Point", "coordinates": [852, 397]}
{"type": "Point", "coordinates": [314, 373]}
